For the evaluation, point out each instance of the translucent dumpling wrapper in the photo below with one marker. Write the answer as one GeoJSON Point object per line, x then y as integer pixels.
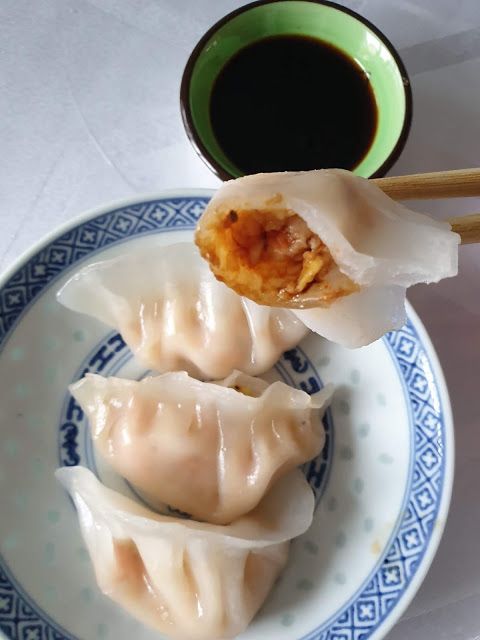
{"type": "Point", "coordinates": [185, 579]}
{"type": "Point", "coordinates": [328, 242]}
{"type": "Point", "coordinates": [174, 314]}
{"type": "Point", "coordinates": [211, 450]}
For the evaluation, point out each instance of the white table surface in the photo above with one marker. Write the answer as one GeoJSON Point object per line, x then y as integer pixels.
{"type": "Point", "coordinates": [89, 112]}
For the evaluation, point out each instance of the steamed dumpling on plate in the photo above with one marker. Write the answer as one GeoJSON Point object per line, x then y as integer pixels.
{"type": "Point", "coordinates": [174, 314]}
{"type": "Point", "coordinates": [185, 579]}
{"type": "Point", "coordinates": [211, 450]}
{"type": "Point", "coordinates": [328, 244]}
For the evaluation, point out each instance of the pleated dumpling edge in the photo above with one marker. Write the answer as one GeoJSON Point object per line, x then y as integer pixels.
{"type": "Point", "coordinates": [184, 578]}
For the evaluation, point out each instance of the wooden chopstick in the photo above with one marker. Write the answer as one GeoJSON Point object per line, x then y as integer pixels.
{"type": "Point", "coordinates": [468, 227]}
{"type": "Point", "coordinates": [460, 183]}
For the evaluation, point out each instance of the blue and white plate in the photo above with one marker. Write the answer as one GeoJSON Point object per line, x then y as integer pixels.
{"type": "Point", "coordinates": [383, 481]}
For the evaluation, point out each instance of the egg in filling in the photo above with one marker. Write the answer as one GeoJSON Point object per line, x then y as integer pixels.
{"type": "Point", "coordinates": [272, 257]}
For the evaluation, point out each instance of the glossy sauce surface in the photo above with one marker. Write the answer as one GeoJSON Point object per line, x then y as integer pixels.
{"type": "Point", "coordinates": [290, 103]}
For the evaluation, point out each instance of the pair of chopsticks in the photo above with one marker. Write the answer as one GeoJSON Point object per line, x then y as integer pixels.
{"type": "Point", "coordinates": [460, 183]}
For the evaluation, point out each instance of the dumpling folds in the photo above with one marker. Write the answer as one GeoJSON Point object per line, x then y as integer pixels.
{"type": "Point", "coordinates": [188, 580]}
{"type": "Point", "coordinates": [206, 449]}
{"type": "Point", "coordinates": [327, 242]}
{"type": "Point", "coordinates": [174, 314]}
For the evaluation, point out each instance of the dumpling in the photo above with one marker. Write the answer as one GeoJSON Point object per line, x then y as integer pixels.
{"type": "Point", "coordinates": [188, 580]}
{"type": "Point", "coordinates": [174, 314]}
{"type": "Point", "coordinates": [325, 241]}
{"type": "Point", "coordinates": [211, 450]}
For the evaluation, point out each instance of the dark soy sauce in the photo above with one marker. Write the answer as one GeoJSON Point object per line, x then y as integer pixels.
{"type": "Point", "coordinates": [290, 103]}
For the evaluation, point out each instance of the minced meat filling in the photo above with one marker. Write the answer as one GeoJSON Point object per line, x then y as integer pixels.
{"type": "Point", "coordinates": [271, 256]}
{"type": "Point", "coordinates": [278, 246]}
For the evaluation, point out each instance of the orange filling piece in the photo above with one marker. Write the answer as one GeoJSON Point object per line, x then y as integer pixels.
{"type": "Point", "coordinates": [283, 248]}
{"type": "Point", "coordinates": [246, 391]}
{"type": "Point", "coordinates": [271, 257]}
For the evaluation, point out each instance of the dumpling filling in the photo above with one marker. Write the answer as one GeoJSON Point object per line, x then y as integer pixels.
{"type": "Point", "coordinates": [272, 257]}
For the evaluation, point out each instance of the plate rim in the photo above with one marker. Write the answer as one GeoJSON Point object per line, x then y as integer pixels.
{"type": "Point", "coordinates": [446, 495]}
{"type": "Point", "coordinates": [9, 269]}
{"type": "Point", "coordinates": [443, 509]}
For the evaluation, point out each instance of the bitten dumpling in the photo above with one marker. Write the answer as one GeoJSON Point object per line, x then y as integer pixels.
{"type": "Point", "coordinates": [326, 243]}
{"type": "Point", "coordinates": [189, 580]}
{"type": "Point", "coordinates": [211, 450]}
{"type": "Point", "coordinates": [174, 314]}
